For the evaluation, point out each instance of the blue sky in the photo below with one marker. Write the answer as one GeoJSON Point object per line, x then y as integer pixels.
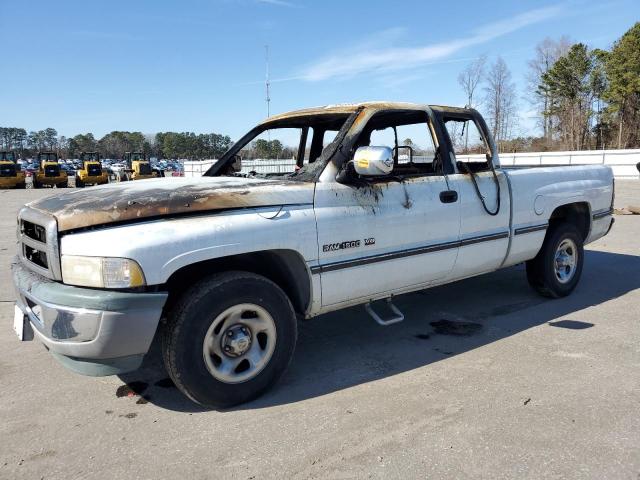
{"type": "Point", "coordinates": [98, 66]}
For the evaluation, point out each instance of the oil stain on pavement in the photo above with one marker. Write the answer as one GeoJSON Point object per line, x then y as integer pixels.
{"type": "Point", "coordinates": [461, 329]}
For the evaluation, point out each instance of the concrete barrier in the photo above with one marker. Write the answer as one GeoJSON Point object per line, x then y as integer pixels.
{"type": "Point", "coordinates": [198, 167]}
{"type": "Point", "coordinates": [622, 162]}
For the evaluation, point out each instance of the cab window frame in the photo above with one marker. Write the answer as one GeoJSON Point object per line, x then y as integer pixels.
{"type": "Point", "coordinates": [384, 119]}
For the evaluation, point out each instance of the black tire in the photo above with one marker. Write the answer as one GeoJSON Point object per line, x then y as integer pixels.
{"type": "Point", "coordinates": [188, 323]}
{"type": "Point", "coordinates": [541, 270]}
{"type": "Point", "coordinates": [36, 184]}
{"type": "Point", "coordinates": [21, 186]}
{"type": "Point", "coordinates": [79, 183]}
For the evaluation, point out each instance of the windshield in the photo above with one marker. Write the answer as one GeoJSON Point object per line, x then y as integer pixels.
{"type": "Point", "coordinates": [285, 149]}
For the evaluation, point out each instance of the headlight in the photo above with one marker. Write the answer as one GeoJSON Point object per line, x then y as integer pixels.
{"type": "Point", "coordinates": [101, 272]}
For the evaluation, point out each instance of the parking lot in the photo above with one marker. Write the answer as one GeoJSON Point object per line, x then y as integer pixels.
{"type": "Point", "coordinates": [483, 379]}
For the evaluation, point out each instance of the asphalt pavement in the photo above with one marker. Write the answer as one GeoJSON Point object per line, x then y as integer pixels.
{"type": "Point", "coordinates": [484, 379]}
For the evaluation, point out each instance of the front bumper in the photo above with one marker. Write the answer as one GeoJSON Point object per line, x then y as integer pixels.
{"type": "Point", "coordinates": [7, 182]}
{"type": "Point", "coordinates": [51, 180]}
{"type": "Point", "coordinates": [93, 332]}
{"type": "Point", "coordinates": [97, 179]}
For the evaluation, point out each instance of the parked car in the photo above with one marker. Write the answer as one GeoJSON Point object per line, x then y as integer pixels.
{"type": "Point", "coordinates": [232, 261]}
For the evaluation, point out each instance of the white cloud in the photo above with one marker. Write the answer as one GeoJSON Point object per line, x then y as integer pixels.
{"type": "Point", "coordinates": [367, 57]}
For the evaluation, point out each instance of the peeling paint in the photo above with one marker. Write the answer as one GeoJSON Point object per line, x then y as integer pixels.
{"type": "Point", "coordinates": [166, 196]}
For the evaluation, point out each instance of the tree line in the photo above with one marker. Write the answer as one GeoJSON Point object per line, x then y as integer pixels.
{"type": "Point", "coordinates": [183, 145]}
{"type": "Point", "coordinates": [583, 98]}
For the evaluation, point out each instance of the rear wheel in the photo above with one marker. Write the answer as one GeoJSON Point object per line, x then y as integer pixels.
{"type": "Point", "coordinates": [79, 183]}
{"type": "Point", "coordinates": [229, 338]}
{"type": "Point", "coordinates": [21, 186]}
{"type": "Point", "coordinates": [556, 270]}
{"type": "Point", "coordinates": [36, 183]}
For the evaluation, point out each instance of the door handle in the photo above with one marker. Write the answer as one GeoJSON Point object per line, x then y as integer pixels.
{"type": "Point", "coordinates": [449, 196]}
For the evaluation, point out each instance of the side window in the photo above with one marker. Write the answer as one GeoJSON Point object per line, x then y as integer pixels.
{"type": "Point", "coordinates": [418, 138]}
{"type": "Point", "coordinates": [469, 145]}
{"type": "Point", "coordinates": [274, 151]}
{"type": "Point", "coordinates": [415, 150]}
{"type": "Point", "coordinates": [329, 136]}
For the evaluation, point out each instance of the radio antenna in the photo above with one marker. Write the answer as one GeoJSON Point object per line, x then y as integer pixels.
{"type": "Point", "coordinates": [267, 82]}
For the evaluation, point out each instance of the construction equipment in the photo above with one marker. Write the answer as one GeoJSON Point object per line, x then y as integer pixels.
{"type": "Point", "coordinates": [91, 172]}
{"type": "Point", "coordinates": [11, 175]}
{"type": "Point", "coordinates": [137, 167]}
{"type": "Point", "coordinates": [49, 172]}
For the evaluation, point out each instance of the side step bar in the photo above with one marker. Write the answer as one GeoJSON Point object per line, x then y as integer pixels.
{"type": "Point", "coordinates": [385, 322]}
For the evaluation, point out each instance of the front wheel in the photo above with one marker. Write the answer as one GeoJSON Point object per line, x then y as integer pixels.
{"type": "Point", "coordinates": [556, 270]}
{"type": "Point", "coordinates": [229, 338]}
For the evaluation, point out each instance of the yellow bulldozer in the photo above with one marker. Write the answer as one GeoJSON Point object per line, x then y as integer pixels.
{"type": "Point", "coordinates": [91, 172]}
{"type": "Point", "coordinates": [11, 175]}
{"type": "Point", "coordinates": [137, 167]}
{"type": "Point", "coordinates": [49, 172]}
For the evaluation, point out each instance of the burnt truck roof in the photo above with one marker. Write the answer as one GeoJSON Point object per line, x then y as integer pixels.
{"type": "Point", "coordinates": [348, 108]}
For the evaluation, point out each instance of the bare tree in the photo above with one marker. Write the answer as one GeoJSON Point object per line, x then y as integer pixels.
{"type": "Point", "coordinates": [469, 79]}
{"type": "Point", "coordinates": [500, 100]}
{"type": "Point", "coordinates": [547, 52]}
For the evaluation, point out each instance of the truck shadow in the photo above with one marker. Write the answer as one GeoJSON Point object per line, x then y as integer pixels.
{"type": "Point", "coordinates": [345, 349]}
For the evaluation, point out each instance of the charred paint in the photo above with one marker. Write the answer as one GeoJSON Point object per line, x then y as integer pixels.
{"type": "Point", "coordinates": [154, 198]}
{"type": "Point", "coordinates": [407, 201]}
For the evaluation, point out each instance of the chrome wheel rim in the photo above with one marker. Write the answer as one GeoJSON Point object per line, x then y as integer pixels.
{"type": "Point", "coordinates": [565, 260]}
{"type": "Point", "coordinates": [239, 343]}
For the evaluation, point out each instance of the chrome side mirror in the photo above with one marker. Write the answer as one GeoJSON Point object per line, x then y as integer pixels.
{"type": "Point", "coordinates": [373, 161]}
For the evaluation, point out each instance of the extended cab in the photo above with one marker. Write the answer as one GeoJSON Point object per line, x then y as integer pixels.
{"type": "Point", "coordinates": [380, 199]}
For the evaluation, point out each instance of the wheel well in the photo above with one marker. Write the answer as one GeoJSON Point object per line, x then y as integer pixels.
{"type": "Point", "coordinates": [577, 214]}
{"type": "Point", "coordinates": [286, 268]}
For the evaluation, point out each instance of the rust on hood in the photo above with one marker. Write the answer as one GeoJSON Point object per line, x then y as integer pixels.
{"type": "Point", "coordinates": [142, 199]}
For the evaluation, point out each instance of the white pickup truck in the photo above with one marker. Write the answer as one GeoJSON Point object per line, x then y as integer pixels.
{"type": "Point", "coordinates": [223, 266]}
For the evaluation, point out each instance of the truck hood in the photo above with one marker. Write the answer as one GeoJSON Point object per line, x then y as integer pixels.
{"type": "Point", "coordinates": [137, 200]}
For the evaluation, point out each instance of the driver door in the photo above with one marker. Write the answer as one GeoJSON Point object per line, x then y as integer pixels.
{"type": "Point", "coordinates": [387, 235]}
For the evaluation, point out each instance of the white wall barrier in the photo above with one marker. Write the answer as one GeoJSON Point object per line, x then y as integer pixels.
{"type": "Point", "coordinates": [197, 168]}
{"type": "Point", "coordinates": [622, 162]}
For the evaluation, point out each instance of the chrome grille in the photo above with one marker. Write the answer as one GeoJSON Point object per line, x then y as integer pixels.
{"type": "Point", "coordinates": [38, 243]}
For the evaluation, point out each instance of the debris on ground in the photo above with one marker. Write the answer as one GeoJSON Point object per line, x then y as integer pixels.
{"type": "Point", "coordinates": [132, 389]}
{"type": "Point", "coordinates": [628, 210]}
